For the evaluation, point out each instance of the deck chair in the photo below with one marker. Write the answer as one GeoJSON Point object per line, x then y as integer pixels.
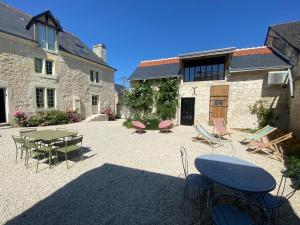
{"type": "Point", "coordinates": [212, 140]}
{"type": "Point", "coordinates": [259, 134]}
{"type": "Point", "coordinates": [220, 127]}
{"type": "Point", "coordinates": [271, 148]}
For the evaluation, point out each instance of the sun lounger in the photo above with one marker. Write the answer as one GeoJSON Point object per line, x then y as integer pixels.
{"type": "Point", "coordinates": [213, 141]}
{"type": "Point", "coordinates": [220, 127]}
{"type": "Point", "coordinates": [165, 126]}
{"type": "Point", "coordinates": [139, 126]}
{"type": "Point", "coordinates": [271, 148]}
{"type": "Point", "coordinates": [259, 134]}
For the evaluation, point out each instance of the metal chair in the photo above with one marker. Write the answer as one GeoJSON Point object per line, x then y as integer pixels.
{"type": "Point", "coordinates": [272, 203]}
{"type": "Point", "coordinates": [61, 142]}
{"type": "Point", "coordinates": [229, 212]}
{"type": "Point", "coordinates": [43, 149]}
{"type": "Point", "coordinates": [20, 145]}
{"type": "Point", "coordinates": [70, 146]}
{"type": "Point", "coordinates": [29, 142]}
{"type": "Point", "coordinates": [193, 180]}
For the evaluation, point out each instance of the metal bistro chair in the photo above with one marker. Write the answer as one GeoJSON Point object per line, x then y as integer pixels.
{"type": "Point", "coordinates": [29, 142]}
{"type": "Point", "coordinates": [272, 203]}
{"type": "Point", "coordinates": [20, 145]}
{"type": "Point", "coordinates": [43, 149]}
{"type": "Point", "coordinates": [61, 142]}
{"type": "Point", "coordinates": [71, 145]}
{"type": "Point", "coordinates": [226, 209]}
{"type": "Point", "coordinates": [193, 180]}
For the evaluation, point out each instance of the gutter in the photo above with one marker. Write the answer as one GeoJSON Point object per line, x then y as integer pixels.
{"type": "Point", "coordinates": [257, 69]}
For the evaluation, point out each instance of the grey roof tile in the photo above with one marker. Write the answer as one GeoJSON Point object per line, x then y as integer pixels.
{"type": "Point", "coordinates": [290, 32]}
{"type": "Point", "coordinates": [257, 61]}
{"type": "Point", "coordinates": [156, 72]}
{"type": "Point", "coordinates": [14, 22]}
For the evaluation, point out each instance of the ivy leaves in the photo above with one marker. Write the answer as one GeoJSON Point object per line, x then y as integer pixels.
{"type": "Point", "coordinates": [161, 95]}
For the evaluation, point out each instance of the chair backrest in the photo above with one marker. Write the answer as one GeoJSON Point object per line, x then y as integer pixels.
{"type": "Point", "coordinates": [22, 131]}
{"type": "Point", "coordinates": [18, 140]}
{"type": "Point", "coordinates": [283, 138]}
{"type": "Point", "coordinates": [184, 161]}
{"type": "Point", "coordinates": [206, 134]}
{"type": "Point", "coordinates": [74, 141]}
{"type": "Point", "coordinates": [263, 132]}
{"type": "Point", "coordinates": [219, 125]}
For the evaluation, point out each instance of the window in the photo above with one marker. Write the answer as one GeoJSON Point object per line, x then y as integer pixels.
{"type": "Point", "coordinates": [50, 98]}
{"type": "Point", "coordinates": [42, 35]}
{"type": "Point", "coordinates": [51, 38]}
{"type": "Point", "coordinates": [92, 76]}
{"type": "Point", "coordinates": [49, 67]}
{"type": "Point", "coordinates": [46, 37]}
{"type": "Point", "coordinates": [38, 65]}
{"type": "Point", "coordinates": [97, 77]}
{"type": "Point", "coordinates": [94, 100]}
{"type": "Point", "coordinates": [206, 69]}
{"type": "Point", "coordinates": [45, 101]}
{"type": "Point", "coordinates": [40, 98]}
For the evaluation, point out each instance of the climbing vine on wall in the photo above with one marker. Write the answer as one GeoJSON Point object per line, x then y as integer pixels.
{"type": "Point", "coordinates": [161, 95]}
{"type": "Point", "coordinates": [167, 98]}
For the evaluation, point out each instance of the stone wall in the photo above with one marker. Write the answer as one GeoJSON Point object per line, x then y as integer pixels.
{"type": "Point", "coordinates": [71, 78]}
{"type": "Point", "coordinates": [274, 40]}
{"type": "Point", "coordinates": [295, 110]}
{"type": "Point", "coordinates": [244, 90]}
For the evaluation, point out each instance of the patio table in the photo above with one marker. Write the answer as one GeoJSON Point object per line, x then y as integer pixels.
{"type": "Point", "coordinates": [235, 173]}
{"type": "Point", "coordinates": [49, 136]}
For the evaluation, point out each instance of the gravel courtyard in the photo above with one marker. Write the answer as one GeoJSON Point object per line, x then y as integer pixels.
{"type": "Point", "coordinates": [124, 178]}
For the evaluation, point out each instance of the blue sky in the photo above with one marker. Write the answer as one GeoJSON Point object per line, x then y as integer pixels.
{"type": "Point", "coordinates": [136, 30]}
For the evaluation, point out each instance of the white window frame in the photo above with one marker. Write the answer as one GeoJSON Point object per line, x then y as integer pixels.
{"type": "Point", "coordinates": [94, 82]}
{"type": "Point", "coordinates": [44, 71]}
{"type": "Point", "coordinates": [38, 38]}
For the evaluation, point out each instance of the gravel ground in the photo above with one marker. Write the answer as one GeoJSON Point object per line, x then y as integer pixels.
{"type": "Point", "coordinates": [124, 179]}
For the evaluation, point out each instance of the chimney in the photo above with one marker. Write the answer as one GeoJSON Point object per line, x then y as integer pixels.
{"type": "Point", "coordinates": [100, 51]}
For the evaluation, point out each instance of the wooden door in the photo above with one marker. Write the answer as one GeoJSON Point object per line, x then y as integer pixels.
{"type": "Point", "coordinates": [187, 111]}
{"type": "Point", "coordinates": [2, 106]}
{"type": "Point", "coordinates": [218, 102]}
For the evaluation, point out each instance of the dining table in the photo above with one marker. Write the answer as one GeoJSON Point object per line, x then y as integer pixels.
{"type": "Point", "coordinates": [235, 173]}
{"type": "Point", "coordinates": [49, 135]}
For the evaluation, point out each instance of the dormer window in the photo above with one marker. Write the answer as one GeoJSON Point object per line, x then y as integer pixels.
{"type": "Point", "coordinates": [46, 37]}
{"type": "Point", "coordinates": [46, 29]}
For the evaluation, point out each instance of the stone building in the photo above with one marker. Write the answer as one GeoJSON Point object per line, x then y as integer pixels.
{"type": "Point", "coordinates": [44, 67]}
{"type": "Point", "coordinates": [285, 38]}
{"type": "Point", "coordinates": [120, 109]}
{"type": "Point", "coordinates": [224, 83]}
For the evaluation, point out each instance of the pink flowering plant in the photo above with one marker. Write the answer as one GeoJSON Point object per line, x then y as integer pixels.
{"type": "Point", "coordinates": [73, 116]}
{"type": "Point", "coordinates": [109, 112]}
{"type": "Point", "coordinates": [20, 117]}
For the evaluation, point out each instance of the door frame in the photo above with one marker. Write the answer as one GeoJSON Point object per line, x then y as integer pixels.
{"type": "Point", "coordinates": [5, 103]}
{"type": "Point", "coordinates": [181, 111]}
{"type": "Point", "coordinates": [224, 95]}
{"type": "Point", "coordinates": [98, 104]}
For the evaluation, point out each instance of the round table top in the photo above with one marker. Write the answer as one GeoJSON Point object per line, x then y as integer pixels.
{"type": "Point", "coordinates": [235, 173]}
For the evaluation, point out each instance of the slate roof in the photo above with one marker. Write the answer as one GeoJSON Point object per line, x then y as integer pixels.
{"type": "Point", "coordinates": [156, 69]}
{"type": "Point", "coordinates": [255, 59]}
{"type": "Point", "coordinates": [119, 89]}
{"type": "Point", "coordinates": [13, 21]}
{"type": "Point", "coordinates": [290, 32]}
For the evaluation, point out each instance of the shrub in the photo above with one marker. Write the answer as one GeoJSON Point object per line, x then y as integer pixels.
{"type": "Point", "coordinates": [20, 117]}
{"type": "Point", "coordinates": [73, 116]}
{"type": "Point", "coordinates": [265, 116]}
{"type": "Point", "coordinates": [151, 122]}
{"type": "Point", "coordinates": [45, 118]}
{"type": "Point", "coordinates": [109, 112]}
{"type": "Point", "coordinates": [293, 168]}
{"type": "Point", "coordinates": [128, 123]}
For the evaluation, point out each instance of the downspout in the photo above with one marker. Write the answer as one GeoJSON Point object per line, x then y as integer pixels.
{"type": "Point", "coordinates": [291, 82]}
